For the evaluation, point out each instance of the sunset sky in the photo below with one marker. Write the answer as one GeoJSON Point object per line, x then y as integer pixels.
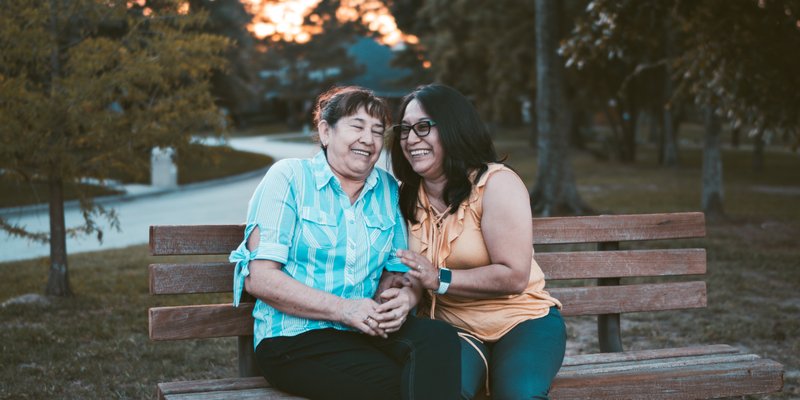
{"type": "Point", "coordinates": [283, 20]}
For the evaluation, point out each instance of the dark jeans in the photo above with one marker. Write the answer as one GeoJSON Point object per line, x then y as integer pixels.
{"type": "Point", "coordinates": [420, 361]}
{"type": "Point", "coordinates": [522, 364]}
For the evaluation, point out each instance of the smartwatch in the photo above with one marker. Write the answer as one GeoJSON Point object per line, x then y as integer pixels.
{"type": "Point", "coordinates": [445, 277]}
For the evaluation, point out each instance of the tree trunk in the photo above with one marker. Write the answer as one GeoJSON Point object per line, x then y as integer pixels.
{"type": "Point", "coordinates": [579, 121]}
{"type": "Point", "coordinates": [669, 148]}
{"type": "Point", "coordinates": [654, 117]}
{"type": "Point", "coordinates": [736, 137]}
{"type": "Point", "coordinates": [555, 191]}
{"type": "Point", "coordinates": [630, 118]}
{"type": "Point", "coordinates": [670, 144]}
{"type": "Point", "coordinates": [627, 149]}
{"type": "Point", "coordinates": [758, 152]}
{"type": "Point", "coordinates": [58, 279]}
{"type": "Point", "coordinates": [712, 167]}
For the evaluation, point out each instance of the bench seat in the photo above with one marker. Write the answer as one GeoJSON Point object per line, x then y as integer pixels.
{"type": "Point", "coordinates": [677, 373]}
{"type": "Point", "coordinates": [604, 282]}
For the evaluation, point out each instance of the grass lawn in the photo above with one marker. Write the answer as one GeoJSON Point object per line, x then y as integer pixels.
{"type": "Point", "coordinates": [95, 345]}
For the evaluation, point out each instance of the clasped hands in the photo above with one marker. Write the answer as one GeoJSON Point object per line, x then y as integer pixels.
{"type": "Point", "coordinates": [378, 318]}
{"type": "Point", "coordinates": [387, 312]}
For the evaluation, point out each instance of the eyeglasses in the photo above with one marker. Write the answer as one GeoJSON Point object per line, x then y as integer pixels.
{"type": "Point", "coordinates": [421, 128]}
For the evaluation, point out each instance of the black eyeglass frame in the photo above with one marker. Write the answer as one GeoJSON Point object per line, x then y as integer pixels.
{"type": "Point", "coordinates": [399, 128]}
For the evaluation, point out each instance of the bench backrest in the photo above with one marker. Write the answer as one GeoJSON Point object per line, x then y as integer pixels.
{"type": "Point", "coordinates": [605, 263]}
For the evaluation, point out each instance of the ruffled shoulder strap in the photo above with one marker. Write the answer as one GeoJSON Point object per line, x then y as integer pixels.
{"type": "Point", "coordinates": [477, 190]}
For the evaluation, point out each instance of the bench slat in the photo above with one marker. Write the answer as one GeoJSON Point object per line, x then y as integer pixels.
{"type": "Point", "coordinates": [246, 394]}
{"type": "Point", "coordinates": [202, 321]}
{"type": "Point", "coordinates": [618, 228]}
{"type": "Point", "coordinates": [595, 300]}
{"type": "Point", "coordinates": [661, 363]}
{"type": "Point", "coordinates": [221, 239]}
{"type": "Point", "coordinates": [220, 320]}
{"type": "Point", "coordinates": [211, 385]}
{"type": "Point", "coordinates": [623, 263]}
{"type": "Point", "coordinates": [217, 277]}
{"type": "Point", "coordinates": [605, 358]}
{"type": "Point", "coordinates": [689, 382]}
{"type": "Point", "coordinates": [194, 239]}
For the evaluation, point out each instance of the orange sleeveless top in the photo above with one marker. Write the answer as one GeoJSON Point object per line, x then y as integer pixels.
{"type": "Point", "coordinates": [455, 241]}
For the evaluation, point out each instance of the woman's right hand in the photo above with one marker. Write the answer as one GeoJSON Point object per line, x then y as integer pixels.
{"type": "Point", "coordinates": [420, 268]}
{"type": "Point", "coordinates": [361, 314]}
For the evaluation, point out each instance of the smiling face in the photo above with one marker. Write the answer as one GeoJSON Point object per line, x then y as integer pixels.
{"type": "Point", "coordinates": [353, 144]}
{"type": "Point", "coordinates": [425, 154]}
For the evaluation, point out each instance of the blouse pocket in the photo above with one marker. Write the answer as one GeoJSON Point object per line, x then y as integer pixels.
{"type": "Point", "coordinates": [318, 228]}
{"type": "Point", "coordinates": [379, 230]}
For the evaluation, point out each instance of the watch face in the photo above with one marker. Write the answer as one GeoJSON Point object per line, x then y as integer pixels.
{"type": "Point", "coordinates": [445, 275]}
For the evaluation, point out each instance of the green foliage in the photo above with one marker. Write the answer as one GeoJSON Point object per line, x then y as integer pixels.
{"type": "Point", "coordinates": [484, 49]}
{"type": "Point", "coordinates": [740, 56]}
{"type": "Point", "coordinates": [88, 86]}
{"type": "Point", "coordinates": [743, 56]}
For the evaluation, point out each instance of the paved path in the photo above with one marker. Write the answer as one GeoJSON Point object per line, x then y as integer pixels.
{"type": "Point", "coordinates": [218, 202]}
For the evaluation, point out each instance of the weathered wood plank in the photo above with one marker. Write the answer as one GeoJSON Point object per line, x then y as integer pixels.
{"type": "Point", "coordinates": [692, 382]}
{"type": "Point", "coordinates": [621, 263]}
{"type": "Point", "coordinates": [593, 300]}
{"type": "Point", "coordinates": [617, 228]}
{"type": "Point", "coordinates": [201, 321]}
{"type": "Point", "coordinates": [191, 278]}
{"type": "Point", "coordinates": [658, 364]}
{"type": "Point", "coordinates": [194, 239]}
{"type": "Point", "coordinates": [210, 385]}
{"type": "Point", "coordinates": [246, 394]}
{"type": "Point", "coordinates": [637, 355]}
{"type": "Point", "coordinates": [220, 320]}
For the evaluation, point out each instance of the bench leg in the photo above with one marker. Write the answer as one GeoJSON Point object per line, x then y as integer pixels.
{"type": "Point", "coordinates": [608, 332]}
{"type": "Point", "coordinates": [247, 359]}
{"type": "Point", "coordinates": [608, 326]}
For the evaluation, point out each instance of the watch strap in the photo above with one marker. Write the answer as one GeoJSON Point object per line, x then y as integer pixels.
{"type": "Point", "coordinates": [445, 277]}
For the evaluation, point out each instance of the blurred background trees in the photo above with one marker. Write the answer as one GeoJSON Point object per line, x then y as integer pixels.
{"type": "Point", "coordinates": [618, 79]}
{"type": "Point", "coordinates": [731, 61]}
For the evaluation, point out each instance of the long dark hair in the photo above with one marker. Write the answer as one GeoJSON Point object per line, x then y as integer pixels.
{"type": "Point", "coordinates": [465, 139]}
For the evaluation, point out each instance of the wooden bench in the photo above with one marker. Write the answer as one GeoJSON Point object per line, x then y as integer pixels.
{"type": "Point", "coordinates": [704, 371]}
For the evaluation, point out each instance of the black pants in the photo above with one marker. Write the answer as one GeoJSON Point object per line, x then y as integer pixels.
{"type": "Point", "coordinates": [421, 361]}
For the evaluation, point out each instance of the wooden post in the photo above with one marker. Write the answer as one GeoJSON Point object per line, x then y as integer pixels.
{"type": "Point", "coordinates": [247, 360]}
{"type": "Point", "coordinates": [608, 325]}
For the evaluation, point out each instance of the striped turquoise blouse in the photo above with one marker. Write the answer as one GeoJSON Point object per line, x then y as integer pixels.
{"type": "Point", "coordinates": [307, 223]}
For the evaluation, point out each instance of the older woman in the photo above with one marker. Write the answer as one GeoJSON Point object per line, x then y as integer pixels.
{"type": "Point", "coordinates": [320, 232]}
{"type": "Point", "coordinates": [470, 233]}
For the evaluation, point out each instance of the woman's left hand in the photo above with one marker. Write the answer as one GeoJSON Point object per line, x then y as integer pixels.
{"type": "Point", "coordinates": [421, 268]}
{"type": "Point", "coordinates": [390, 280]}
{"type": "Point", "coordinates": [395, 305]}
